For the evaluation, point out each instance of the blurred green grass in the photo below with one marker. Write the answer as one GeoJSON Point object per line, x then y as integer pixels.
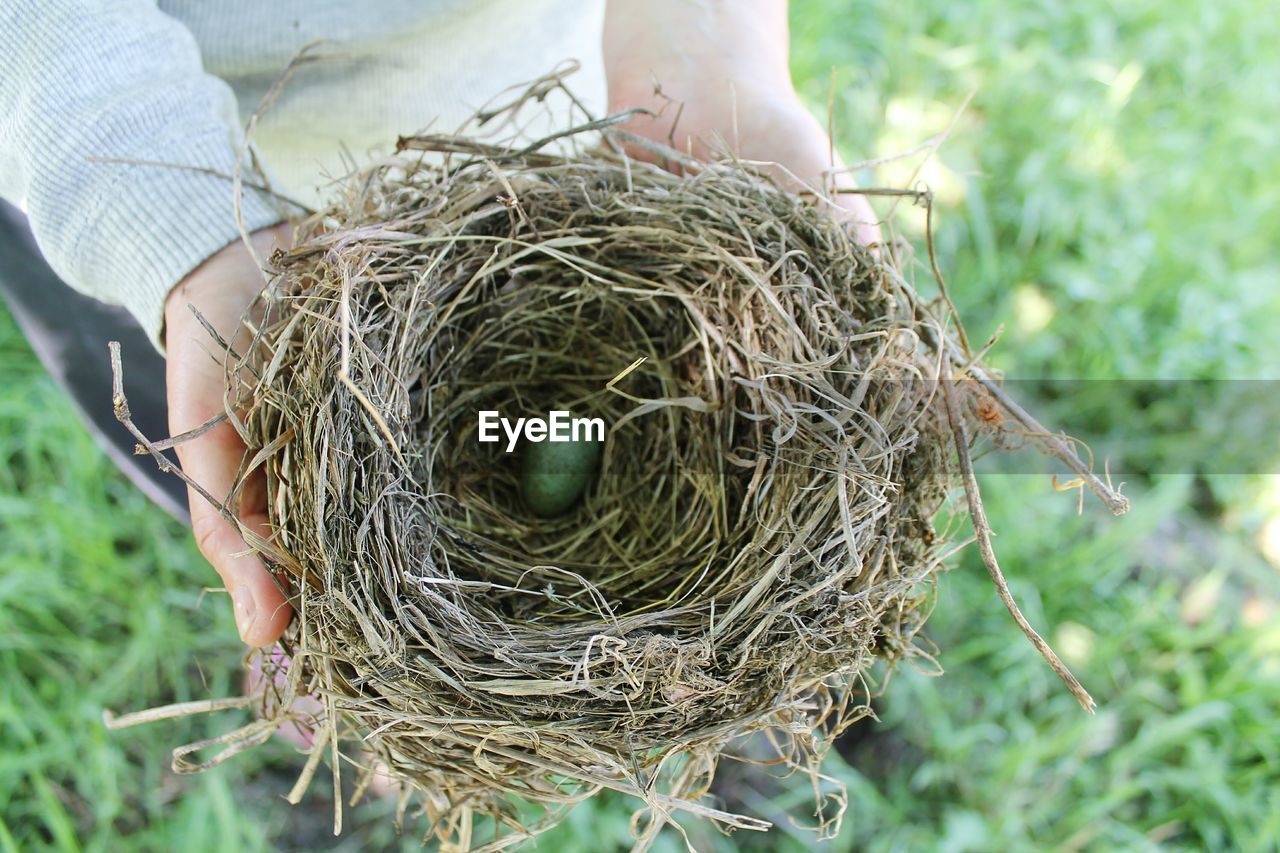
{"type": "Point", "coordinates": [1112, 196]}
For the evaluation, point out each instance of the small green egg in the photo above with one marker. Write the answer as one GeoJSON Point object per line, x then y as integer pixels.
{"type": "Point", "coordinates": [556, 473]}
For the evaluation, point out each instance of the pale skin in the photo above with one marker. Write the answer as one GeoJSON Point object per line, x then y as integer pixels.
{"type": "Point", "coordinates": [725, 60]}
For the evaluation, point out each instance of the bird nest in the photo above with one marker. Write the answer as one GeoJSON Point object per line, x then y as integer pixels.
{"type": "Point", "coordinates": [757, 531]}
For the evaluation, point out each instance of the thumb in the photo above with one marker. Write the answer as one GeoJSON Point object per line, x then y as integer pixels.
{"type": "Point", "coordinates": [212, 460]}
{"type": "Point", "coordinates": [222, 288]}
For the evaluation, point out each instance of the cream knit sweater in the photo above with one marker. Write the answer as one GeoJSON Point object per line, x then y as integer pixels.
{"type": "Point", "coordinates": [83, 81]}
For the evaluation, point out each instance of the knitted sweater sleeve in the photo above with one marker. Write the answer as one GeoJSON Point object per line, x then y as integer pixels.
{"type": "Point", "coordinates": [86, 84]}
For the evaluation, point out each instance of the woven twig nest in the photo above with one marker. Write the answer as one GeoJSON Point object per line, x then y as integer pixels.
{"type": "Point", "coordinates": [758, 529]}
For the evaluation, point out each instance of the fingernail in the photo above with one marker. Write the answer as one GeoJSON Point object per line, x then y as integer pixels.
{"type": "Point", "coordinates": [246, 610]}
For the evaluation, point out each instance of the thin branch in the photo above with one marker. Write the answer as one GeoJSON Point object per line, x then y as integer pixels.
{"type": "Point", "coordinates": [983, 532]}
{"type": "Point", "coordinates": [175, 711]}
{"type": "Point", "coordinates": [937, 275]}
{"type": "Point", "coordinates": [121, 406]}
{"type": "Point", "coordinates": [182, 438]}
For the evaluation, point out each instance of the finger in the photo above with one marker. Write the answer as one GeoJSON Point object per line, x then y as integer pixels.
{"type": "Point", "coordinates": [261, 610]}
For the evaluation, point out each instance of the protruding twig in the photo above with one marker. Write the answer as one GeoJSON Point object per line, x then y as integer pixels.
{"type": "Point", "coordinates": [121, 406]}
{"type": "Point", "coordinates": [1049, 442]}
{"type": "Point", "coordinates": [174, 711]}
{"type": "Point", "coordinates": [1054, 445]}
{"type": "Point", "coordinates": [983, 532]}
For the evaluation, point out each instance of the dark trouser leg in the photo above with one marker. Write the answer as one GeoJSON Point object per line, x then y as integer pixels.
{"type": "Point", "coordinates": [69, 333]}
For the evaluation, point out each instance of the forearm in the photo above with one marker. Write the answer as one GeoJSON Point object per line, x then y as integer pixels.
{"type": "Point", "coordinates": [86, 85]}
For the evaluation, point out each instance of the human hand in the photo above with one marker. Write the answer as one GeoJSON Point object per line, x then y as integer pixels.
{"type": "Point", "coordinates": [221, 289]}
{"type": "Point", "coordinates": [724, 76]}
